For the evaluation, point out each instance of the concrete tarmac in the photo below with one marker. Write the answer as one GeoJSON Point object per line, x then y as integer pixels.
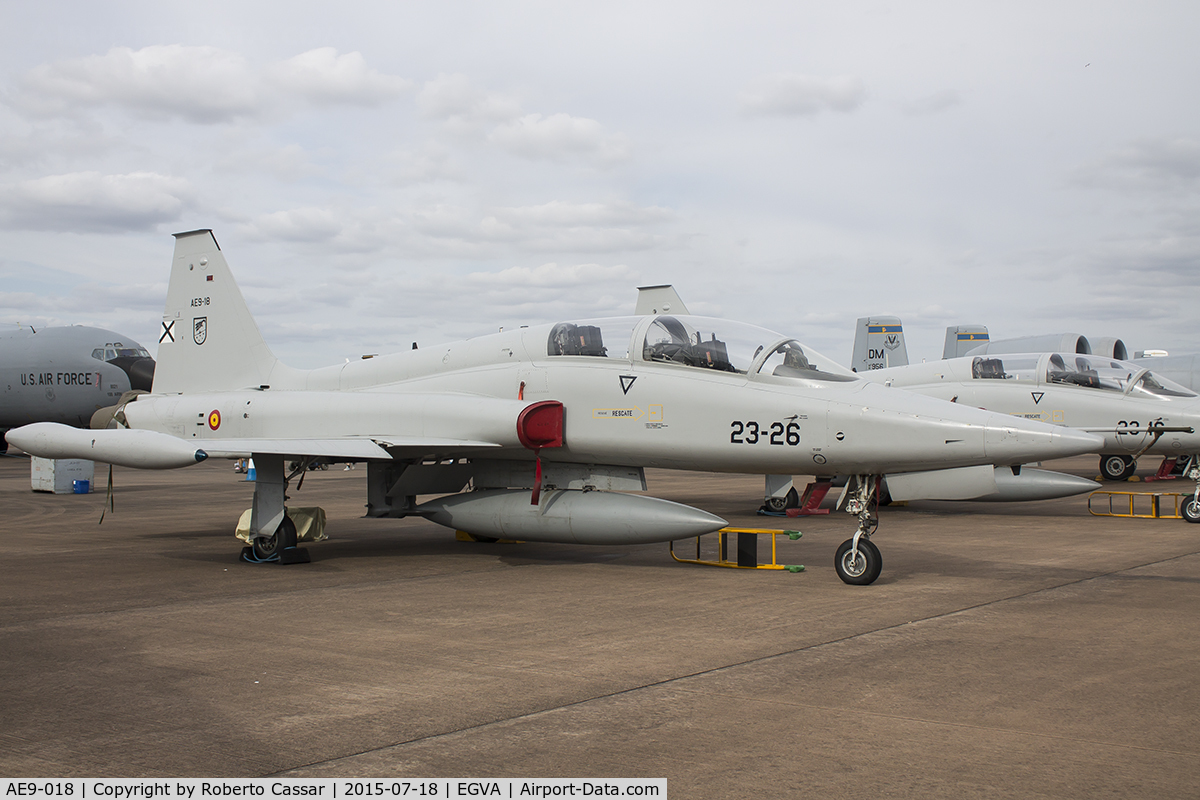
{"type": "Point", "coordinates": [1008, 650]}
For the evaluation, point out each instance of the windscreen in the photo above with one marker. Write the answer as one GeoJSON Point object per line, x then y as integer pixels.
{"type": "Point", "coordinates": [789, 360]}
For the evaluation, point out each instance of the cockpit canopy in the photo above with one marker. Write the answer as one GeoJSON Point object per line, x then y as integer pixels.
{"type": "Point", "coordinates": [701, 342]}
{"type": "Point", "coordinates": [119, 351]}
{"type": "Point", "coordinates": [1074, 369]}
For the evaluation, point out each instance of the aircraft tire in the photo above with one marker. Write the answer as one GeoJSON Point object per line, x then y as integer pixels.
{"type": "Point", "coordinates": [778, 504]}
{"type": "Point", "coordinates": [268, 547]}
{"type": "Point", "coordinates": [1189, 509]}
{"type": "Point", "coordinates": [1117, 467]}
{"type": "Point", "coordinates": [865, 570]}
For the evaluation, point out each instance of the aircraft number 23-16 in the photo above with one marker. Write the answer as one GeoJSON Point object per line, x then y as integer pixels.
{"type": "Point", "coordinates": [775, 433]}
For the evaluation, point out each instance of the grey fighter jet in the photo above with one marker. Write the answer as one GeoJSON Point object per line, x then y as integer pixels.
{"type": "Point", "coordinates": [67, 374]}
{"type": "Point", "coordinates": [1135, 410]}
{"type": "Point", "coordinates": [551, 425]}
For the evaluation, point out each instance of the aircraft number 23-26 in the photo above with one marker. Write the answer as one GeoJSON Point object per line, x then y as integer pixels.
{"type": "Point", "coordinates": [753, 433]}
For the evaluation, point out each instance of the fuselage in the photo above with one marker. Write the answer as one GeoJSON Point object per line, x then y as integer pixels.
{"type": "Point", "coordinates": [675, 392]}
{"type": "Point", "coordinates": [66, 374]}
{"type": "Point", "coordinates": [1119, 400]}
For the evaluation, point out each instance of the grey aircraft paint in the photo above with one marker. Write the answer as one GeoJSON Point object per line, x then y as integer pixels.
{"type": "Point", "coordinates": [66, 374]}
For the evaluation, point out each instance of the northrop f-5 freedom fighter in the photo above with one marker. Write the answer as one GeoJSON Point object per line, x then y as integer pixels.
{"type": "Point", "coordinates": [550, 426]}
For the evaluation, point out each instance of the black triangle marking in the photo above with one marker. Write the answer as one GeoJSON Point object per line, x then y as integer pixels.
{"type": "Point", "coordinates": [1037, 397]}
{"type": "Point", "coordinates": [627, 382]}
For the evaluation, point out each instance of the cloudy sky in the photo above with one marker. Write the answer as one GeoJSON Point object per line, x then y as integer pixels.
{"type": "Point", "coordinates": [382, 172]}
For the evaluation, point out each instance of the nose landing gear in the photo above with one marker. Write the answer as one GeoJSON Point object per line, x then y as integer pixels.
{"type": "Point", "coordinates": [857, 560]}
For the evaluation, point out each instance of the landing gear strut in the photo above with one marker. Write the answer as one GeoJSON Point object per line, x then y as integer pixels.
{"type": "Point", "coordinates": [857, 560]}
{"type": "Point", "coordinates": [270, 514]}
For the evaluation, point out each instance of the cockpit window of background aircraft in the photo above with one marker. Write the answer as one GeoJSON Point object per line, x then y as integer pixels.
{"type": "Point", "coordinates": [117, 351]}
{"type": "Point", "coordinates": [1115, 376]}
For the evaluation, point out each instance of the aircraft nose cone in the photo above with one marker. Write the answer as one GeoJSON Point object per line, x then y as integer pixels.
{"type": "Point", "coordinates": [1075, 442]}
{"type": "Point", "coordinates": [1011, 440]}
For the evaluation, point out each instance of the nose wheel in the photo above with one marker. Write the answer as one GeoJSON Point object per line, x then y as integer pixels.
{"type": "Point", "coordinates": [858, 565]}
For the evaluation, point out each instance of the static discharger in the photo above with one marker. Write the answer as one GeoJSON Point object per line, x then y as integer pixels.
{"type": "Point", "coordinates": [747, 550]}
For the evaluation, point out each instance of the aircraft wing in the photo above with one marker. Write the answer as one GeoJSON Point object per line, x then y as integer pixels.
{"type": "Point", "coordinates": [362, 449]}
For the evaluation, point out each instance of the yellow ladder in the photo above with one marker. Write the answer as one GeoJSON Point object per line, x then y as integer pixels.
{"type": "Point", "coordinates": [1156, 504]}
{"type": "Point", "coordinates": [747, 550]}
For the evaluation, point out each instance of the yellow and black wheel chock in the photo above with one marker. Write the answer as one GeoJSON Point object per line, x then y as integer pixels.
{"type": "Point", "coordinates": [1157, 507]}
{"type": "Point", "coordinates": [747, 550]}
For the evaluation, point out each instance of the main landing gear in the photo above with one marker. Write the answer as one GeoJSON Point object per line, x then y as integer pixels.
{"type": "Point", "coordinates": [1116, 467]}
{"type": "Point", "coordinates": [857, 560]}
{"type": "Point", "coordinates": [272, 532]}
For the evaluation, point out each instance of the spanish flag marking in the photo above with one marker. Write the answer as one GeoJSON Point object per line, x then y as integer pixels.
{"type": "Point", "coordinates": [214, 419]}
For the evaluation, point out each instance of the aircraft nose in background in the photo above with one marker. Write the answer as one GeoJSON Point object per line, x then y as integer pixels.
{"type": "Point", "coordinates": [1011, 440]}
{"type": "Point", "coordinates": [139, 370]}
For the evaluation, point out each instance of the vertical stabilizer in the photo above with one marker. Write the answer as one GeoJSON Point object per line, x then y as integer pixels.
{"type": "Point", "coordinates": [878, 344]}
{"type": "Point", "coordinates": [208, 340]}
{"type": "Point", "coordinates": [658, 300]}
{"type": "Point", "coordinates": [961, 339]}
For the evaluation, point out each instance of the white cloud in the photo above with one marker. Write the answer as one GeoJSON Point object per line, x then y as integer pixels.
{"type": "Point", "coordinates": [453, 100]}
{"type": "Point", "coordinates": [90, 201]}
{"type": "Point", "coordinates": [201, 84]}
{"type": "Point", "coordinates": [558, 213]}
{"type": "Point", "coordinates": [560, 137]}
{"type": "Point", "coordinates": [551, 275]}
{"type": "Point", "coordinates": [324, 77]}
{"type": "Point", "coordinates": [466, 110]}
{"type": "Point", "coordinates": [789, 94]}
{"type": "Point", "coordinates": [295, 225]}
{"type": "Point", "coordinates": [554, 226]}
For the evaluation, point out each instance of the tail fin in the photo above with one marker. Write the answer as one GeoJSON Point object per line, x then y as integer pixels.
{"type": "Point", "coordinates": [961, 339]}
{"type": "Point", "coordinates": [879, 343]}
{"type": "Point", "coordinates": [659, 300]}
{"type": "Point", "coordinates": [208, 341]}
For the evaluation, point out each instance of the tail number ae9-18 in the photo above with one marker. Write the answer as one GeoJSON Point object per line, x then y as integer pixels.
{"type": "Point", "coordinates": [776, 433]}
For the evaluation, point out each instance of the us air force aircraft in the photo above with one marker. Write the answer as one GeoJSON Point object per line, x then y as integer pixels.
{"type": "Point", "coordinates": [551, 425]}
{"type": "Point", "coordinates": [67, 374]}
{"type": "Point", "coordinates": [1132, 408]}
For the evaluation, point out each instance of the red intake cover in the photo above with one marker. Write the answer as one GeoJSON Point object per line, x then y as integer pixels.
{"type": "Point", "coordinates": [541, 425]}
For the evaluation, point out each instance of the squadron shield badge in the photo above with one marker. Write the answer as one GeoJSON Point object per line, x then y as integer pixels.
{"type": "Point", "coordinates": [199, 329]}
